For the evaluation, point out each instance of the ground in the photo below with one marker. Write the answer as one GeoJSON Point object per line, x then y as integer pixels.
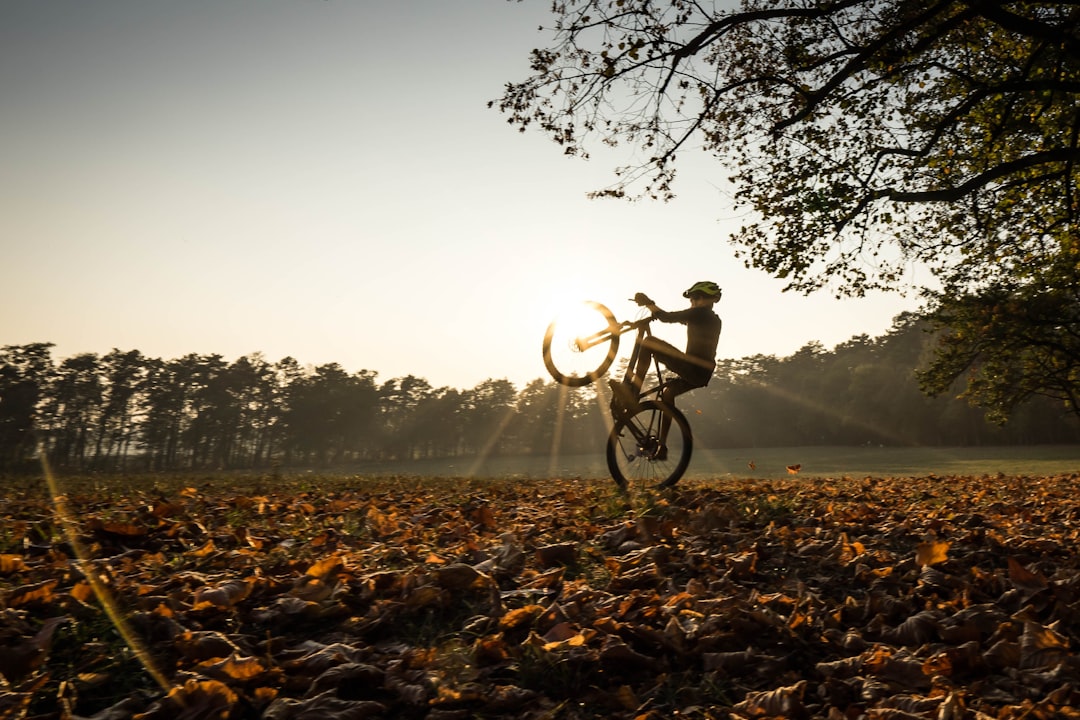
{"type": "Point", "coordinates": [355, 597]}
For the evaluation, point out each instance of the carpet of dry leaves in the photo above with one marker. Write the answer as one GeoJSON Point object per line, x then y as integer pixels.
{"type": "Point", "coordinates": [341, 598]}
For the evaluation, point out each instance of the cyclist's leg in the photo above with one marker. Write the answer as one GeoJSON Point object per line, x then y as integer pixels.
{"type": "Point", "coordinates": [625, 395]}
{"type": "Point", "coordinates": [652, 347]}
{"type": "Point", "coordinates": [690, 375]}
{"type": "Point", "coordinates": [671, 390]}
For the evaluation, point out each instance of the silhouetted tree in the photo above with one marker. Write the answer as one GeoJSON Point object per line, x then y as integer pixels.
{"type": "Point", "coordinates": [329, 414]}
{"type": "Point", "coordinates": [489, 408]}
{"type": "Point", "coordinates": [437, 427]}
{"type": "Point", "coordinates": [25, 371]}
{"type": "Point", "coordinates": [167, 412]}
{"type": "Point", "coordinates": [123, 374]}
{"type": "Point", "coordinates": [1010, 343]}
{"type": "Point", "coordinates": [72, 408]}
{"type": "Point", "coordinates": [537, 416]}
{"type": "Point", "coordinates": [399, 399]}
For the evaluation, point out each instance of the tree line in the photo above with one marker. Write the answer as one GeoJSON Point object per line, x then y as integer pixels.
{"type": "Point", "coordinates": [126, 411]}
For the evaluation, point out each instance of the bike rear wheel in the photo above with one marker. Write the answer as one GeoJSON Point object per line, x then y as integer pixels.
{"type": "Point", "coordinates": [635, 453]}
{"type": "Point", "coordinates": [580, 344]}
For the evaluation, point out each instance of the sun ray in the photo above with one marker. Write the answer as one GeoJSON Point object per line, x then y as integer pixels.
{"type": "Point", "coordinates": [489, 444]}
{"type": "Point", "coordinates": [556, 435]}
{"type": "Point", "coordinates": [66, 520]}
{"type": "Point", "coordinates": [831, 412]}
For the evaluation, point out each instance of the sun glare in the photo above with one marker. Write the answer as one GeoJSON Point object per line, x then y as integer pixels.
{"type": "Point", "coordinates": [568, 301]}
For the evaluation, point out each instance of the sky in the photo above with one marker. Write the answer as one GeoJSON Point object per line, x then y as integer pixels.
{"type": "Point", "coordinates": [323, 180]}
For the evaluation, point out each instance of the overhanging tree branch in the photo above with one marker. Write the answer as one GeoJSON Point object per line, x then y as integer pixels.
{"type": "Point", "coordinates": [1006, 169]}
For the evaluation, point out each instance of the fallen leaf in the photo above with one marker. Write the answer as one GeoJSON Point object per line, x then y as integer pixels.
{"type": "Point", "coordinates": [931, 553]}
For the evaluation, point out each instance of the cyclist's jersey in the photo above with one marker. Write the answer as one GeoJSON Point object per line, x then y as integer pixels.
{"type": "Point", "coordinates": [702, 332]}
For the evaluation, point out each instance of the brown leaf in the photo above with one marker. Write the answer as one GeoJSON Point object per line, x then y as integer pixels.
{"type": "Point", "coordinates": [14, 705]}
{"type": "Point", "coordinates": [382, 524]}
{"type": "Point", "coordinates": [123, 710]}
{"type": "Point", "coordinates": [931, 553]}
{"type": "Point", "coordinates": [23, 595]}
{"type": "Point", "coordinates": [165, 509]}
{"type": "Point", "coordinates": [901, 668]}
{"type": "Point", "coordinates": [425, 596]}
{"type": "Point", "coordinates": [204, 645]}
{"type": "Point", "coordinates": [82, 591]}
{"type": "Point", "coordinates": [484, 516]}
{"type": "Point", "coordinates": [491, 650]}
{"type": "Point", "coordinates": [520, 616]}
{"type": "Point", "coordinates": [23, 655]}
{"type": "Point", "coordinates": [11, 564]}
{"type": "Point", "coordinates": [952, 708]}
{"type": "Point", "coordinates": [615, 652]}
{"type": "Point", "coordinates": [1041, 647]}
{"type": "Point", "coordinates": [505, 699]}
{"type": "Point", "coordinates": [234, 667]}
{"type": "Point", "coordinates": [325, 567]}
{"type": "Point", "coordinates": [559, 554]}
{"type": "Point", "coordinates": [742, 565]}
{"type": "Point", "coordinates": [561, 631]}
{"type": "Point", "coordinates": [224, 595]}
{"type": "Point", "coordinates": [915, 630]}
{"type": "Point", "coordinates": [458, 576]}
{"type": "Point", "coordinates": [847, 551]}
{"type": "Point", "coordinates": [207, 548]}
{"type": "Point", "coordinates": [116, 527]}
{"type": "Point", "coordinates": [550, 579]}
{"type": "Point", "coordinates": [917, 706]}
{"type": "Point", "coordinates": [1024, 579]}
{"type": "Point", "coordinates": [842, 668]}
{"type": "Point", "coordinates": [194, 700]}
{"type": "Point", "coordinates": [326, 706]}
{"type": "Point", "coordinates": [780, 702]}
{"type": "Point", "coordinates": [350, 677]}
{"type": "Point", "coordinates": [313, 659]}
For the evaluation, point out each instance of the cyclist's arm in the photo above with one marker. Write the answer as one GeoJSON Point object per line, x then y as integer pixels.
{"type": "Point", "coordinates": [677, 316]}
{"type": "Point", "coordinates": [646, 302]}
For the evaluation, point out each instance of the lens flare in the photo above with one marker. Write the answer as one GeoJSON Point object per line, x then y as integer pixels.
{"type": "Point", "coordinates": [66, 520]}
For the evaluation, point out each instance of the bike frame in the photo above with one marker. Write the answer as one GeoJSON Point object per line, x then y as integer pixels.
{"type": "Point", "coordinates": [643, 330]}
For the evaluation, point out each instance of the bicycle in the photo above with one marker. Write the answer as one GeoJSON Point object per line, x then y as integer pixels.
{"type": "Point", "coordinates": [649, 443]}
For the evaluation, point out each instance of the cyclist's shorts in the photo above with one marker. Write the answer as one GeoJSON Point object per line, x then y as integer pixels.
{"type": "Point", "coordinates": [688, 368]}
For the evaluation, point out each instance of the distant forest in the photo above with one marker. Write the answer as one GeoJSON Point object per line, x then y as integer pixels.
{"type": "Point", "coordinates": [126, 411]}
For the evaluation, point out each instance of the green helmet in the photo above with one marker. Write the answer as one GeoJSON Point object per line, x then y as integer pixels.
{"type": "Point", "coordinates": [706, 287]}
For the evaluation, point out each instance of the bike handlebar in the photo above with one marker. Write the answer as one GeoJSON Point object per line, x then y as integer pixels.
{"type": "Point", "coordinates": [635, 324]}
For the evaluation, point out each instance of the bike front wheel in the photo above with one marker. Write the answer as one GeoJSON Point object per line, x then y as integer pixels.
{"type": "Point", "coordinates": [580, 344]}
{"type": "Point", "coordinates": [641, 450]}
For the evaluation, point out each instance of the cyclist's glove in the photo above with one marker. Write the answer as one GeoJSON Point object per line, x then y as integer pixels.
{"type": "Point", "coordinates": [642, 299]}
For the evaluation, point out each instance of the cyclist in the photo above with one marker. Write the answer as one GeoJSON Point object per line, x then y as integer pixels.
{"type": "Point", "coordinates": [695, 366]}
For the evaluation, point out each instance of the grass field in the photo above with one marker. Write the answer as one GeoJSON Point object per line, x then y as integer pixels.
{"type": "Point", "coordinates": [853, 462]}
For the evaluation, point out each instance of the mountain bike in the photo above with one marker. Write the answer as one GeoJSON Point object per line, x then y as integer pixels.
{"type": "Point", "coordinates": [651, 442]}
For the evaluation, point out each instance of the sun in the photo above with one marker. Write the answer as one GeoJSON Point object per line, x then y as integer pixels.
{"type": "Point", "coordinates": [566, 297]}
{"type": "Point", "coordinates": [539, 299]}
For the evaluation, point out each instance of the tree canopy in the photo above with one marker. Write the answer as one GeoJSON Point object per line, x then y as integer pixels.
{"type": "Point", "coordinates": [1012, 341]}
{"type": "Point", "coordinates": [863, 136]}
